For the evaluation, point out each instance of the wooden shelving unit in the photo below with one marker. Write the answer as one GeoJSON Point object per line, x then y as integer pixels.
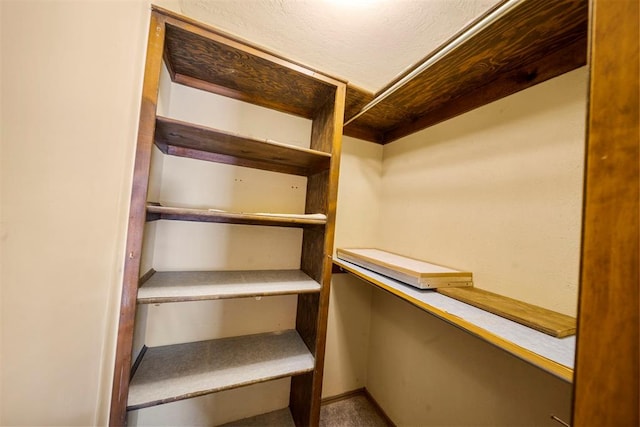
{"type": "Point", "coordinates": [203, 58]}
{"type": "Point", "coordinates": [554, 355]}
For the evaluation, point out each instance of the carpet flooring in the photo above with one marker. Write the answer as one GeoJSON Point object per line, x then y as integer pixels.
{"type": "Point", "coordinates": [355, 411]}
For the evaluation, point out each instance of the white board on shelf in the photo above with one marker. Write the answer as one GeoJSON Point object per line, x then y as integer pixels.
{"type": "Point", "coordinates": [421, 274]}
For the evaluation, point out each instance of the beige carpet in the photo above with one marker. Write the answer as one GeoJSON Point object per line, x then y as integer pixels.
{"type": "Point", "coordinates": [356, 411]}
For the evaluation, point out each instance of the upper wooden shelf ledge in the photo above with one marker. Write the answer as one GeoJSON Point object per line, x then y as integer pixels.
{"type": "Point", "coordinates": [205, 58]}
{"type": "Point", "coordinates": [554, 355]}
{"type": "Point", "coordinates": [533, 42]}
{"type": "Point", "coordinates": [183, 139]}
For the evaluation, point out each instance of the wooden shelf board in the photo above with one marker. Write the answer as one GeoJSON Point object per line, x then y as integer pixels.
{"type": "Point", "coordinates": [181, 371]}
{"type": "Point", "coordinates": [208, 60]}
{"type": "Point", "coordinates": [189, 140]}
{"type": "Point", "coordinates": [177, 286]}
{"type": "Point", "coordinates": [543, 320]}
{"type": "Point", "coordinates": [157, 212]}
{"type": "Point", "coordinates": [534, 42]}
{"type": "Point", "coordinates": [554, 355]}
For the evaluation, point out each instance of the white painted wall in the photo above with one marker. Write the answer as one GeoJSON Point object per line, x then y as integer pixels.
{"type": "Point", "coordinates": [350, 302]}
{"type": "Point", "coordinates": [497, 191]}
{"type": "Point", "coordinates": [71, 82]}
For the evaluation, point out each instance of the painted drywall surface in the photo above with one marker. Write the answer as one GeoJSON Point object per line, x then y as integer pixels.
{"type": "Point", "coordinates": [498, 192]}
{"type": "Point", "coordinates": [359, 194]}
{"type": "Point", "coordinates": [425, 372]}
{"type": "Point", "coordinates": [350, 300]}
{"type": "Point", "coordinates": [71, 79]}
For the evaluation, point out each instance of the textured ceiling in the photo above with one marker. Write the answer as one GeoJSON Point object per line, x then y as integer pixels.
{"type": "Point", "coordinates": [367, 42]}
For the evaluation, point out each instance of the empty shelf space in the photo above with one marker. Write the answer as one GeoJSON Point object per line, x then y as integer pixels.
{"type": "Point", "coordinates": [554, 355]}
{"type": "Point", "coordinates": [200, 56]}
{"type": "Point", "coordinates": [157, 212]}
{"type": "Point", "coordinates": [194, 141]}
{"type": "Point", "coordinates": [181, 371]}
{"type": "Point", "coordinates": [176, 286]}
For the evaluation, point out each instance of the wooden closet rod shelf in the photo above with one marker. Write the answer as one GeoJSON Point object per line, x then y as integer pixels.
{"type": "Point", "coordinates": [554, 355]}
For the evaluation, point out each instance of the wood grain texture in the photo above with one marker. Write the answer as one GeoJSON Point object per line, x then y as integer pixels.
{"type": "Point", "coordinates": [607, 363]}
{"type": "Point", "coordinates": [137, 213]}
{"type": "Point", "coordinates": [543, 320]}
{"type": "Point", "coordinates": [356, 98]}
{"type": "Point", "coordinates": [189, 140]}
{"type": "Point", "coordinates": [244, 44]}
{"type": "Point", "coordinates": [317, 247]}
{"type": "Point", "coordinates": [521, 77]}
{"type": "Point", "coordinates": [229, 69]}
{"type": "Point", "coordinates": [535, 41]}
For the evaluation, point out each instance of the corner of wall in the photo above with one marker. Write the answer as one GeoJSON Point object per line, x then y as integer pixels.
{"type": "Point", "coordinates": [101, 415]}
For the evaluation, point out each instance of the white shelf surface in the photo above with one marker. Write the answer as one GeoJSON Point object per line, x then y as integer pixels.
{"type": "Point", "coordinates": [175, 286]}
{"type": "Point", "coordinates": [554, 355]}
{"type": "Point", "coordinates": [181, 371]}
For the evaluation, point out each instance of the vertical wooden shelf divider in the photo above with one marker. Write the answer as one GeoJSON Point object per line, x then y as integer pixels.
{"type": "Point", "coordinates": [313, 309]}
{"type": "Point", "coordinates": [203, 58]}
{"type": "Point", "coordinates": [137, 216]}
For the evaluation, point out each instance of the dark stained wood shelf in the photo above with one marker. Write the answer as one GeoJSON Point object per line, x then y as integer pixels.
{"type": "Point", "coordinates": [183, 139]}
{"type": "Point", "coordinates": [179, 286]}
{"type": "Point", "coordinates": [182, 371]}
{"type": "Point", "coordinates": [534, 42]}
{"type": "Point", "coordinates": [204, 58]}
{"type": "Point", "coordinates": [157, 212]}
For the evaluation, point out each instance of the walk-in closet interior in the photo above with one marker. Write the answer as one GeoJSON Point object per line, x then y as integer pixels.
{"type": "Point", "coordinates": [253, 171]}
